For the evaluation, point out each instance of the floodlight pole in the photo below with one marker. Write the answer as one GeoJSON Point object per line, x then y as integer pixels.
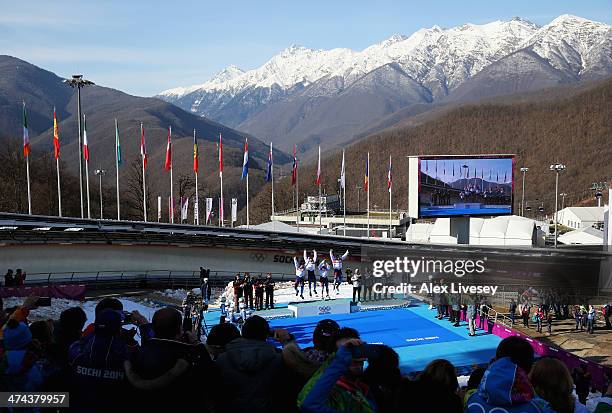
{"type": "Point", "coordinates": [101, 173]}
{"type": "Point", "coordinates": [78, 82]}
{"type": "Point", "coordinates": [557, 168]}
{"type": "Point", "coordinates": [524, 171]}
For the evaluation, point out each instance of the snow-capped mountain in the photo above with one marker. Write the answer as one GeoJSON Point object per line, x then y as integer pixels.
{"type": "Point", "coordinates": [292, 94]}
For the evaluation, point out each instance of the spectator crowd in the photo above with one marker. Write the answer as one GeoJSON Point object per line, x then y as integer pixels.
{"type": "Point", "coordinates": [123, 362]}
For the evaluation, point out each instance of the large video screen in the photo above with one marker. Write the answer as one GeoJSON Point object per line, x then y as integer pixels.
{"type": "Point", "coordinates": [465, 185]}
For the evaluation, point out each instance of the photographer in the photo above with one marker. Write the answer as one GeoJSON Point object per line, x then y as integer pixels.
{"type": "Point", "coordinates": [169, 364]}
{"type": "Point", "coordinates": [338, 386]}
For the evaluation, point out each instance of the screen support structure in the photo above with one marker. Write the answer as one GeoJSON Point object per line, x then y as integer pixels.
{"type": "Point", "coordinates": [460, 229]}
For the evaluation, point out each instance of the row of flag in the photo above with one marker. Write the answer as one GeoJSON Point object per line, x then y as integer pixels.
{"type": "Point", "coordinates": [470, 173]}
{"type": "Point", "coordinates": [168, 161]}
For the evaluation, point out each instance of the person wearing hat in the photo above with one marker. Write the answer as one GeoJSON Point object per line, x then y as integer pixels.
{"type": "Point", "coordinates": [251, 371]}
{"type": "Point", "coordinates": [338, 385]}
{"type": "Point", "coordinates": [20, 367]}
{"type": "Point", "coordinates": [305, 362]}
{"type": "Point", "coordinates": [97, 366]}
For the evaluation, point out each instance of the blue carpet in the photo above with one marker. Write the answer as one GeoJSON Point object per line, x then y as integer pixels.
{"type": "Point", "coordinates": [413, 333]}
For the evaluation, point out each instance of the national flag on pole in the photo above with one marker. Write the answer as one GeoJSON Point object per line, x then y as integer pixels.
{"type": "Point", "coordinates": [209, 206]}
{"type": "Point", "coordinates": [168, 163]}
{"type": "Point", "coordinates": [366, 178]}
{"type": "Point", "coordinates": [56, 142]}
{"type": "Point", "coordinates": [221, 212]}
{"type": "Point", "coordinates": [117, 143]}
{"type": "Point", "coordinates": [497, 180]}
{"type": "Point", "coordinates": [318, 181]}
{"type": "Point", "coordinates": [453, 170]}
{"type": "Point", "coordinates": [505, 176]}
{"type": "Point", "coordinates": [195, 153]}
{"type": "Point", "coordinates": [295, 166]}
{"type": "Point", "coordinates": [444, 168]}
{"type": "Point", "coordinates": [26, 135]}
{"type": "Point", "coordinates": [245, 159]}
{"type": "Point", "coordinates": [390, 176]}
{"type": "Point", "coordinates": [220, 155]}
{"type": "Point", "coordinates": [85, 145]}
{"type": "Point", "coordinates": [342, 173]}
{"type": "Point", "coordinates": [184, 207]}
{"type": "Point", "coordinates": [143, 148]}
{"type": "Point", "coordinates": [269, 168]}
{"type": "Point", "coordinates": [490, 172]}
{"type": "Point", "coordinates": [234, 209]}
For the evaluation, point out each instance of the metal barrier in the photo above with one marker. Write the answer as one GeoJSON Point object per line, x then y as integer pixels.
{"type": "Point", "coordinates": [142, 279]}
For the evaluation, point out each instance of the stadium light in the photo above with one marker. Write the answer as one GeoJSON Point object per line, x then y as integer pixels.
{"type": "Point", "coordinates": [524, 171]}
{"type": "Point", "coordinates": [557, 168]}
{"type": "Point", "coordinates": [598, 188]}
{"type": "Point", "coordinates": [78, 82]}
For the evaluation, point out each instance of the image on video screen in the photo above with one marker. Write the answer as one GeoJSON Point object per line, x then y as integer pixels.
{"type": "Point", "coordinates": [465, 186]}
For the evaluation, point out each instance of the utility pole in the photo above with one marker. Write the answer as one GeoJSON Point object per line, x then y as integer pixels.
{"type": "Point", "coordinates": [78, 82]}
{"type": "Point", "coordinates": [557, 168]}
{"type": "Point", "coordinates": [101, 172]}
{"type": "Point", "coordinates": [524, 171]}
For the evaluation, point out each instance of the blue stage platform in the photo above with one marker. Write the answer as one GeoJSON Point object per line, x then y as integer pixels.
{"type": "Point", "coordinates": [413, 333]}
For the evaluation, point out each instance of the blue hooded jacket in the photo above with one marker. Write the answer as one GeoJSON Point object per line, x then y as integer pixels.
{"type": "Point", "coordinates": [506, 388]}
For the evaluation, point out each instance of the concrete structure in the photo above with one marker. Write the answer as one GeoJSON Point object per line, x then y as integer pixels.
{"type": "Point", "coordinates": [356, 223]}
{"type": "Point", "coordinates": [581, 217]}
{"type": "Point", "coordinates": [583, 236]}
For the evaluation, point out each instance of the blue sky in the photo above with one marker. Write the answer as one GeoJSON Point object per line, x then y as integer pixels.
{"type": "Point", "coordinates": [143, 47]}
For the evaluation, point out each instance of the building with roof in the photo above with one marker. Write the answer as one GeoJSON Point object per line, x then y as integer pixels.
{"type": "Point", "coordinates": [581, 217]}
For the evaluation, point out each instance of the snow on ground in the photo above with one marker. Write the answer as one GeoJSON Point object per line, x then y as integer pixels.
{"type": "Point", "coordinates": [58, 305]}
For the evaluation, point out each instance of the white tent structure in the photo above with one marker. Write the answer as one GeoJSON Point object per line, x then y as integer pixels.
{"type": "Point", "coordinates": [419, 232]}
{"type": "Point", "coordinates": [582, 236]}
{"type": "Point", "coordinates": [499, 231]}
{"type": "Point", "coordinates": [581, 217]}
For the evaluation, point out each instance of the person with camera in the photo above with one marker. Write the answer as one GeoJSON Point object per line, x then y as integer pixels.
{"type": "Point", "coordinates": [338, 385]}
{"type": "Point", "coordinates": [251, 371]}
{"type": "Point", "coordinates": [171, 364]}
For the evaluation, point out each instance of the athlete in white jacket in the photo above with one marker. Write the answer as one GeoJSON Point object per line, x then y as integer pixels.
{"type": "Point", "coordinates": [310, 265]}
{"type": "Point", "coordinates": [337, 264]}
{"type": "Point", "coordinates": [323, 271]}
{"type": "Point", "coordinates": [299, 277]}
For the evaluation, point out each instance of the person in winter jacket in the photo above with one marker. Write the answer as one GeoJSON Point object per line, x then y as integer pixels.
{"type": "Point", "coordinates": [591, 315]}
{"type": "Point", "coordinates": [337, 264]}
{"type": "Point", "coordinates": [323, 277]}
{"type": "Point", "coordinates": [356, 282]}
{"type": "Point", "coordinates": [552, 382]}
{"type": "Point", "coordinates": [20, 367]}
{"type": "Point", "coordinates": [251, 371]}
{"type": "Point", "coordinates": [166, 365]}
{"type": "Point", "coordinates": [97, 368]}
{"type": "Point", "coordinates": [310, 264]}
{"type": "Point", "coordinates": [338, 386]}
{"type": "Point", "coordinates": [300, 271]}
{"type": "Point", "coordinates": [505, 385]}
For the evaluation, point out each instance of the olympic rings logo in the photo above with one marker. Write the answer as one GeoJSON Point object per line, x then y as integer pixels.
{"type": "Point", "coordinates": [324, 309]}
{"type": "Point", "coordinates": [258, 256]}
